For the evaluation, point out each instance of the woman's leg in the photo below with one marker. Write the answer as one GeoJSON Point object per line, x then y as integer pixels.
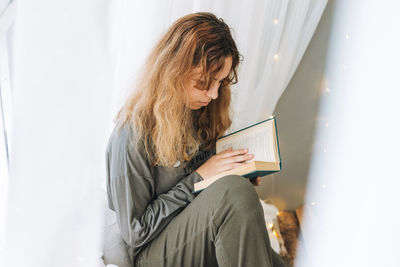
{"type": "Point", "coordinates": [223, 226]}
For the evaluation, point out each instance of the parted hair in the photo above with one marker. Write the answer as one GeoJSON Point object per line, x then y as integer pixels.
{"type": "Point", "coordinates": [158, 108]}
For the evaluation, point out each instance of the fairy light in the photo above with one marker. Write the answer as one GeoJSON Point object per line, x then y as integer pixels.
{"type": "Point", "coordinates": [325, 150]}
{"type": "Point", "coordinates": [328, 90]}
{"type": "Point", "coordinates": [276, 21]}
{"type": "Point", "coordinates": [276, 56]}
{"type": "Point", "coordinates": [275, 233]}
{"type": "Point", "coordinates": [326, 124]}
{"type": "Point", "coordinates": [313, 203]}
{"type": "Point", "coordinates": [324, 186]}
{"type": "Point", "coordinates": [270, 225]}
{"type": "Point", "coordinates": [347, 36]}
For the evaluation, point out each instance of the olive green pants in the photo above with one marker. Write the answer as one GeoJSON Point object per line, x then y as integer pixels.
{"type": "Point", "coordinates": [223, 226]}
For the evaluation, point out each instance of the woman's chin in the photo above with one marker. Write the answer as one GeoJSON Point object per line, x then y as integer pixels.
{"type": "Point", "coordinates": [196, 106]}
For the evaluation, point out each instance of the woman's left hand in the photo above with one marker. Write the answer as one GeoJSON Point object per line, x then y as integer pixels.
{"type": "Point", "coordinates": [256, 182]}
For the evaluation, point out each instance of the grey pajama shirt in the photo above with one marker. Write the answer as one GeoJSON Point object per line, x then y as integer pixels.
{"type": "Point", "coordinates": [164, 224]}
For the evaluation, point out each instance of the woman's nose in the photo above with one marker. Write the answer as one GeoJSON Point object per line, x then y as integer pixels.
{"type": "Point", "coordinates": [212, 92]}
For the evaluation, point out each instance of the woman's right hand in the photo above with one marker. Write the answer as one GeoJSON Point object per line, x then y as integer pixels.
{"type": "Point", "coordinates": [223, 161]}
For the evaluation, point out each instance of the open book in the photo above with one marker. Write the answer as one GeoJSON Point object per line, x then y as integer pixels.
{"type": "Point", "coordinates": [262, 141]}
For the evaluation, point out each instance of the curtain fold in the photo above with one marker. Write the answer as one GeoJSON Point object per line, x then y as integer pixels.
{"type": "Point", "coordinates": [272, 36]}
{"type": "Point", "coordinates": [62, 66]}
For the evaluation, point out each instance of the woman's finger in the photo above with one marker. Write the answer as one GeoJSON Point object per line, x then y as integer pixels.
{"type": "Point", "coordinates": [228, 154]}
{"type": "Point", "coordinates": [240, 158]}
{"type": "Point", "coordinates": [230, 166]}
{"type": "Point", "coordinates": [256, 182]}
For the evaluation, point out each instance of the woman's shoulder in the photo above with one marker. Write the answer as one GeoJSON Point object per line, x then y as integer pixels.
{"type": "Point", "coordinates": [124, 153]}
{"type": "Point", "coordinates": [124, 138]}
{"type": "Point", "coordinates": [122, 132]}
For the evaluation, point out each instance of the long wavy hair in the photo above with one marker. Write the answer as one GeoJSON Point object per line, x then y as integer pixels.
{"type": "Point", "coordinates": [159, 107]}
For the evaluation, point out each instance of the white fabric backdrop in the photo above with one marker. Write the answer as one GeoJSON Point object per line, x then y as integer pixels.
{"type": "Point", "coordinates": [7, 12]}
{"type": "Point", "coordinates": [72, 65]}
{"type": "Point", "coordinates": [271, 35]}
{"type": "Point", "coordinates": [62, 78]}
{"type": "Point", "coordinates": [352, 204]}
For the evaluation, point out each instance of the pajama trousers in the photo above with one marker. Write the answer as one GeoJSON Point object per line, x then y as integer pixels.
{"type": "Point", "coordinates": [223, 226]}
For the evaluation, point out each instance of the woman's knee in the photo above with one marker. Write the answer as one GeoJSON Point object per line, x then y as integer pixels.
{"type": "Point", "coordinates": [237, 189]}
{"type": "Point", "coordinates": [234, 181]}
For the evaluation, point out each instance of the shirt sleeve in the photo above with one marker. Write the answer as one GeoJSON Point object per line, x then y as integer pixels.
{"type": "Point", "coordinates": [141, 215]}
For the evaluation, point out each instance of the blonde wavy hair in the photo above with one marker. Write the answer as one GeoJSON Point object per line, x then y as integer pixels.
{"type": "Point", "coordinates": [159, 107]}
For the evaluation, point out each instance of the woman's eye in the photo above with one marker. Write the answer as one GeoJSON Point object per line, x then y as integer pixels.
{"type": "Point", "coordinates": [200, 84]}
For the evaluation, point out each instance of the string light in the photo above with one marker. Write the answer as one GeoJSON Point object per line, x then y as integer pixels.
{"type": "Point", "coordinates": [276, 21]}
{"type": "Point", "coordinates": [326, 124]}
{"type": "Point", "coordinates": [275, 233]}
{"type": "Point", "coordinates": [276, 56]}
{"type": "Point", "coordinates": [270, 225]}
{"type": "Point", "coordinates": [325, 150]}
{"type": "Point", "coordinates": [347, 36]}
{"type": "Point", "coordinates": [328, 90]}
{"type": "Point", "coordinates": [313, 203]}
{"type": "Point", "coordinates": [324, 186]}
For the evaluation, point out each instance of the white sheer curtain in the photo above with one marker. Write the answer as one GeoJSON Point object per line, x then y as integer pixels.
{"type": "Point", "coordinates": [73, 64]}
{"type": "Point", "coordinates": [351, 215]}
{"type": "Point", "coordinates": [62, 80]}
{"type": "Point", "coordinates": [272, 36]}
{"type": "Point", "coordinates": [7, 10]}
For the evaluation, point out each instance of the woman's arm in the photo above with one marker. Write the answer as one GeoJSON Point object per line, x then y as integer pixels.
{"type": "Point", "coordinates": [141, 215]}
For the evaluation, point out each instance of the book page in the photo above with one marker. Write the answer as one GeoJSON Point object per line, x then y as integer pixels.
{"type": "Point", "coordinates": [258, 139]}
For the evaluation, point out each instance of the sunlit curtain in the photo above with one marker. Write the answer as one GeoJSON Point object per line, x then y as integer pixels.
{"type": "Point", "coordinates": [352, 213]}
{"type": "Point", "coordinates": [7, 11]}
{"type": "Point", "coordinates": [73, 63]}
{"type": "Point", "coordinates": [62, 78]}
{"type": "Point", "coordinates": [271, 35]}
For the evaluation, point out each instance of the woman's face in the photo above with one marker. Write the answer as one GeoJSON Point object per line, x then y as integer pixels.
{"type": "Point", "coordinates": [200, 96]}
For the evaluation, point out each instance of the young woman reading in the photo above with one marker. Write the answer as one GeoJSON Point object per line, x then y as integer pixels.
{"type": "Point", "coordinates": [164, 142]}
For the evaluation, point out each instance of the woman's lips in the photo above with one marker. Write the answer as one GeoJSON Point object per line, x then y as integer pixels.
{"type": "Point", "coordinates": [204, 103]}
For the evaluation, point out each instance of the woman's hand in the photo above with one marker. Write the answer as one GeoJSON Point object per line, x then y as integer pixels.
{"type": "Point", "coordinates": [223, 161]}
{"type": "Point", "coordinates": [256, 181]}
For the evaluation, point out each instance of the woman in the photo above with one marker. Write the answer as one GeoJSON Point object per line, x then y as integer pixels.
{"type": "Point", "coordinates": [164, 142]}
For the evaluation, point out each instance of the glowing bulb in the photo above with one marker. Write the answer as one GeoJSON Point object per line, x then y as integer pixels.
{"type": "Point", "coordinates": [276, 21]}
{"type": "Point", "coordinates": [328, 90]}
{"type": "Point", "coordinates": [347, 36]}
{"type": "Point", "coordinates": [325, 150]}
{"type": "Point", "coordinates": [276, 56]}
{"type": "Point", "coordinates": [324, 186]}
{"type": "Point", "coordinates": [313, 203]}
{"type": "Point", "coordinates": [326, 124]}
{"type": "Point", "coordinates": [275, 233]}
{"type": "Point", "coordinates": [278, 213]}
{"type": "Point", "coordinates": [270, 225]}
